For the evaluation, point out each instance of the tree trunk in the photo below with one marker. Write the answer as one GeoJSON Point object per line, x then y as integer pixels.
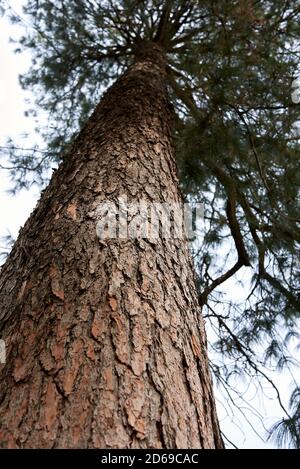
{"type": "Point", "coordinates": [105, 342]}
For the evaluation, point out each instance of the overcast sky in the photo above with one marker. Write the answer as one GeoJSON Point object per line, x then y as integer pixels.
{"type": "Point", "coordinates": [15, 210]}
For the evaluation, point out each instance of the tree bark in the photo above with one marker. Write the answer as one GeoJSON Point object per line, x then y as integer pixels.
{"type": "Point", "coordinates": [105, 341]}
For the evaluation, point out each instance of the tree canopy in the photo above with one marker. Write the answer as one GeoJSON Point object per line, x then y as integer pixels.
{"type": "Point", "coordinates": [231, 65]}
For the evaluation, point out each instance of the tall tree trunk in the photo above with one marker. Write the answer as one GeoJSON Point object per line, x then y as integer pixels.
{"type": "Point", "coordinates": [105, 342]}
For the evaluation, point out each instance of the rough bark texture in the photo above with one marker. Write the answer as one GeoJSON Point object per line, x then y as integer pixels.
{"type": "Point", "coordinates": [105, 342]}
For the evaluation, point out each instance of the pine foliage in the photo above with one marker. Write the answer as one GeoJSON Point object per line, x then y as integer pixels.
{"type": "Point", "coordinates": [231, 66]}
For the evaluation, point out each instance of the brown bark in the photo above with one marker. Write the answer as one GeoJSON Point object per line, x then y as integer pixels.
{"type": "Point", "coordinates": [105, 342]}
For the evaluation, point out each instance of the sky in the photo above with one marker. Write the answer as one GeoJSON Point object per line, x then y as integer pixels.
{"type": "Point", "coordinates": [14, 210]}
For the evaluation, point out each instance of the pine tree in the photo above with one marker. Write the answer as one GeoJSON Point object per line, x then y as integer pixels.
{"type": "Point", "coordinates": [228, 67]}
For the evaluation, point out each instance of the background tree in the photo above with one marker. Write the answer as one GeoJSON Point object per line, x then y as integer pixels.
{"type": "Point", "coordinates": [230, 69]}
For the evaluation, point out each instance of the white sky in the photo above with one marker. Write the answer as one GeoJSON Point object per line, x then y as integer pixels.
{"type": "Point", "coordinates": [15, 210]}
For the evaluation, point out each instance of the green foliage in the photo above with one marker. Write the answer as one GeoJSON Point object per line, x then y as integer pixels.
{"type": "Point", "coordinates": [231, 67]}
